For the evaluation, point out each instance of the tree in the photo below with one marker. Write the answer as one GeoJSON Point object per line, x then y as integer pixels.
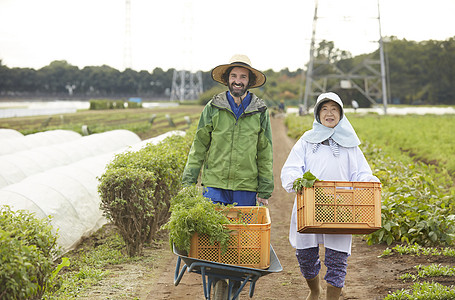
{"type": "Point", "coordinates": [57, 75]}
{"type": "Point", "coordinates": [419, 73]}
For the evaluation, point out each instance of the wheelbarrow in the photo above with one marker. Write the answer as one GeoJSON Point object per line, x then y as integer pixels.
{"type": "Point", "coordinates": [214, 273]}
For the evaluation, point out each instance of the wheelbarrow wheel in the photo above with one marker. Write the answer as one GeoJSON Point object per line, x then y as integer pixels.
{"type": "Point", "coordinates": [220, 291]}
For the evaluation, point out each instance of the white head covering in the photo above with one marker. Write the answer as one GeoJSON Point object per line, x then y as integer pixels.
{"type": "Point", "coordinates": [342, 133]}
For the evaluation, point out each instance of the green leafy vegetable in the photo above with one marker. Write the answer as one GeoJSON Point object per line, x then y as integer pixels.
{"type": "Point", "coordinates": [191, 212]}
{"type": "Point", "coordinates": [306, 181]}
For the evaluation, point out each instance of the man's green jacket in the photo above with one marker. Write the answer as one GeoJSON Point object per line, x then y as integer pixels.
{"type": "Point", "coordinates": [234, 154]}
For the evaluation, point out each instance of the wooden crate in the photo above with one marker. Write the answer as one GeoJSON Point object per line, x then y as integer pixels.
{"type": "Point", "coordinates": [342, 207]}
{"type": "Point", "coordinates": [249, 244]}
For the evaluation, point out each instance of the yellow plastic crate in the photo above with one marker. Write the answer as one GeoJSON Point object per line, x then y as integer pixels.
{"type": "Point", "coordinates": [249, 244]}
{"type": "Point", "coordinates": [343, 207]}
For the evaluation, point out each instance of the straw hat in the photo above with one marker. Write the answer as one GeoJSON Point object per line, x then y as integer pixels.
{"type": "Point", "coordinates": [324, 97]}
{"type": "Point", "coordinates": [238, 60]}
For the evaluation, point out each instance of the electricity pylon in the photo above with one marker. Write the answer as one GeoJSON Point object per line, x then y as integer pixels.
{"type": "Point", "coordinates": [186, 84]}
{"type": "Point", "coordinates": [368, 77]}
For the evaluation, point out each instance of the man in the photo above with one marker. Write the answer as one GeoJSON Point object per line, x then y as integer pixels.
{"type": "Point", "coordinates": [233, 141]}
{"type": "Point", "coordinates": [355, 105]}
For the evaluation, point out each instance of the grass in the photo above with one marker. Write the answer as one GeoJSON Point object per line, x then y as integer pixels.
{"type": "Point", "coordinates": [90, 264]}
{"type": "Point", "coordinates": [87, 264]}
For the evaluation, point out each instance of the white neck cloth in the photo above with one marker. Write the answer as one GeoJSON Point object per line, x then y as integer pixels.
{"type": "Point", "coordinates": [343, 133]}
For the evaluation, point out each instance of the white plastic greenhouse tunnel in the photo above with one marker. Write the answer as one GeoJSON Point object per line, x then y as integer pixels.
{"type": "Point", "coordinates": [69, 193]}
{"type": "Point", "coordinates": [6, 133]}
{"type": "Point", "coordinates": [30, 141]}
{"type": "Point", "coordinates": [17, 166]}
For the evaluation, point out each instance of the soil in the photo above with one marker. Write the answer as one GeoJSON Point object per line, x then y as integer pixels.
{"type": "Point", "coordinates": [368, 277]}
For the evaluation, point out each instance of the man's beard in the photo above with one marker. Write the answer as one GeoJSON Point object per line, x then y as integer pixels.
{"type": "Point", "coordinates": [238, 92]}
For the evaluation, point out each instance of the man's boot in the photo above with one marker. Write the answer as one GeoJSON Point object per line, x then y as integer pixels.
{"type": "Point", "coordinates": [315, 288]}
{"type": "Point", "coordinates": [333, 293]}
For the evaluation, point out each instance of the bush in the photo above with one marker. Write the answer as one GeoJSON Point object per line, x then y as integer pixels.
{"type": "Point", "coordinates": [107, 104]}
{"type": "Point", "coordinates": [127, 200]}
{"type": "Point", "coordinates": [27, 249]}
{"type": "Point", "coordinates": [137, 188]}
{"type": "Point", "coordinates": [132, 104]}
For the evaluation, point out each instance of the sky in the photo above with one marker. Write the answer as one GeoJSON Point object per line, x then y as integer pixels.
{"type": "Point", "coordinates": [201, 34]}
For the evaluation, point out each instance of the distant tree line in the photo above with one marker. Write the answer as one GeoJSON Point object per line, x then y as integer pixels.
{"type": "Point", "coordinates": [61, 79]}
{"type": "Point", "coordinates": [422, 72]}
{"type": "Point", "coordinates": [418, 73]}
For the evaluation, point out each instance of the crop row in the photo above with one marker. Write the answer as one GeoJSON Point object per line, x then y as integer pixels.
{"type": "Point", "coordinates": [144, 122]}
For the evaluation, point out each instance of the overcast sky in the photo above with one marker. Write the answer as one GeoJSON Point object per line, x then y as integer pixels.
{"type": "Point", "coordinates": [200, 34]}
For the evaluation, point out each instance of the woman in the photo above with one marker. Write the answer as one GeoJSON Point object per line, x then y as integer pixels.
{"type": "Point", "coordinates": [330, 151]}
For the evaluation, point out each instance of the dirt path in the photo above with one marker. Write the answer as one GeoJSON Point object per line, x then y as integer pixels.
{"type": "Point", "coordinates": [369, 278]}
{"type": "Point", "coordinates": [288, 284]}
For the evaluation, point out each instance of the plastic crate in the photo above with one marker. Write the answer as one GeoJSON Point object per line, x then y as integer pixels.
{"type": "Point", "coordinates": [343, 207]}
{"type": "Point", "coordinates": [249, 244]}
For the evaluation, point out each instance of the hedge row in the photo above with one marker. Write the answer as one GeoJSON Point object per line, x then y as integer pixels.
{"type": "Point", "coordinates": [109, 104]}
{"type": "Point", "coordinates": [137, 188]}
{"type": "Point", "coordinates": [27, 249]}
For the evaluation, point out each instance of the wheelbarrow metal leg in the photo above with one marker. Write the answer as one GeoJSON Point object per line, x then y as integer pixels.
{"type": "Point", "coordinates": [252, 286]}
{"type": "Point", "coordinates": [204, 283]}
{"type": "Point", "coordinates": [207, 281]}
{"type": "Point", "coordinates": [243, 282]}
{"type": "Point", "coordinates": [179, 273]}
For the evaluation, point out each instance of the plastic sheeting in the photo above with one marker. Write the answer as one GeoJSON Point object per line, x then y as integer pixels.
{"type": "Point", "coordinates": [69, 194]}
{"type": "Point", "coordinates": [17, 166]}
{"type": "Point", "coordinates": [6, 133]}
{"type": "Point", "coordinates": [34, 140]}
{"type": "Point", "coordinates": [155, 140]}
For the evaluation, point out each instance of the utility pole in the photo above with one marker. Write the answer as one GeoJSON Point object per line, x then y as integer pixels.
{"type": "Point", "coordinates": [309, 75]}
{"type": "Point", "coordinates": [383, 71]}
{"type": "Point", "coordinates": [127, 55]}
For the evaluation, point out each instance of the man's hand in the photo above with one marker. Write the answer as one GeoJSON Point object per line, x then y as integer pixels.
{"type": "Point", "coordinates": [263, 201]}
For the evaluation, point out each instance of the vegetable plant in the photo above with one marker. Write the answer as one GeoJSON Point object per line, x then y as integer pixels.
{"type": "Point", "coordinates": [306, 181]}
{"type": "Point", "coordinates": [190, 213]}
{"type": "Point", "coordinates": [415, 207]}
{"type": "Point", "coordinates": [424, 291]}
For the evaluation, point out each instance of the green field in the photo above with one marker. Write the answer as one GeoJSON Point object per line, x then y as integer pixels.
{"type": "Point", "coordinates": [145, 122]}
{"type": "Point", "coordinates": [426, 138]}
